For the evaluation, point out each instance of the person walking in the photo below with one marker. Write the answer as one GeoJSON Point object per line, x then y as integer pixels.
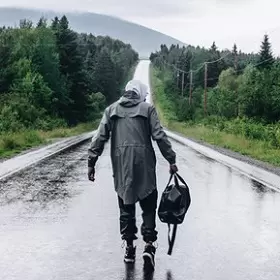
{"type": "Point", "coordinates": [132, 124]}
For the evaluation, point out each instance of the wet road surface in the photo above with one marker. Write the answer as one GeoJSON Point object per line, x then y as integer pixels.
{"type": "Point", "coordinates": [55, 224]}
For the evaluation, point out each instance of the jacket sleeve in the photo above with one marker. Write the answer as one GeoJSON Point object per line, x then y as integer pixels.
{"type": "Point", "coordinates": [160, 137]}
{"type": "Point", "coordinates": [99, 139]}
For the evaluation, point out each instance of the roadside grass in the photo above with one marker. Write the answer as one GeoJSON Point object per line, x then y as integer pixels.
{"type": "Point", "coordinates": [262, 150]}
{"type": "Point", "coordinates": [14, 143]}
{"type": "Point", "coordinates": [67, 132]}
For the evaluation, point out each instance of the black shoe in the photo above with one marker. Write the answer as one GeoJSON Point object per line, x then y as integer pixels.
{"type": "Point", "coordinates": [129, 256]}
{"type": "Point", "coordinates": [149, 257]}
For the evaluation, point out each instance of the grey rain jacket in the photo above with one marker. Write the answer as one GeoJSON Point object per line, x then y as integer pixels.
{"type": "Point", "coordinates": [131, 124]}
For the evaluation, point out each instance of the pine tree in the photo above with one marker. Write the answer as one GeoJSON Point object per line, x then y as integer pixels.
{"type": "Point", "coordinates": [55, 24]}
{"type": "Point", "coordinates": [164, 51]}
{"type": "Point", "coordinates": [72, 67]}
{"type": "Point", "coordinates": [105, 76]}
{"type": "Point", "coordinates": [90, 62]}
{"type": "Point", "coordinates": [214, 47]}
{"type": "Point", "coordinates": [46, 61]}
{"type": "Point", "coordinates": [25, 23]}
{"type": "Point", "coordinates": [42, 23]}
{"type": "Point", "coordinates": [6, 71]}
{"type": "Point", "coordinates": [266, 59]}
{"type": "Point", "coordinates": [215, 67]}
{"type": "Point", "coordinates": [235, 57]}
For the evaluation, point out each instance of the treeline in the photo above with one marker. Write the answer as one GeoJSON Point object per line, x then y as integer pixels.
{"type": "Point", "coordinates": [200, 82]}
{"type": "Point", "coordinates": [51, 75]}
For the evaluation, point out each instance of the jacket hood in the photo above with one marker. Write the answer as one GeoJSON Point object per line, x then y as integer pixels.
{"type": "Point", "coordinates": [135, 93]}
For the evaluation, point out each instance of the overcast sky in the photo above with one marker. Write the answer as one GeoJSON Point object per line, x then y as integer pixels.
{"type": "Point", "coordinates": [196, 22]}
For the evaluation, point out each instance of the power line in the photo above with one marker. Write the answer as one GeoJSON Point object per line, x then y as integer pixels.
{"type": "Point", "coordinates": [241, 70]}
{"type": "Point", "coordinates": [219, 59]}
{"type": "Point", "coordinates": [210, 62]}
{"type": "Point", "coordinates": [206, 79]}
{"type": "Point", "coordinates": [194, 71]}
{"type": "Point", "coordinates": [214, 78]}
{"type": "Point", "coordinates": [266, 60]}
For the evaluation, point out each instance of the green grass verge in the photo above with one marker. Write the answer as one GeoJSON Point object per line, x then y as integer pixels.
{"type": "Point", "coordinates": [14, 143]}
{"type": "Point", "coordinates": [257, 149]}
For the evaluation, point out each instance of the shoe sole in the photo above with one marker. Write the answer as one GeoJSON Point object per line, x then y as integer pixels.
{"type": "Point", "coordinates": [148, 261]}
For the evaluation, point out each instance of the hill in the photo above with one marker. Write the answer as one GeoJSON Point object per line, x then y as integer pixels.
{"type": "Point", "coordinates": [142, 39]}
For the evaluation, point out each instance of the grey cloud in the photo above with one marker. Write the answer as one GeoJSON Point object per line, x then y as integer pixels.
{"type": "Point", "coordinates": [148, 8]}
{"type": "Point", "coordinates": [128, 9]}
{"type": "Point", "coordinates": [184, 19]}
{"type": "Point", "coordinates": [123, 8]}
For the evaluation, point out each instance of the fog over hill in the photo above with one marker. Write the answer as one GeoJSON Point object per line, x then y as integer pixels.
{"type": "Point", "coordinates": [144, 40]}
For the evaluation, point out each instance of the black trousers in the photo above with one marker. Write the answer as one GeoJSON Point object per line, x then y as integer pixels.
{"type": "Point", "coordinates": [128, 228]}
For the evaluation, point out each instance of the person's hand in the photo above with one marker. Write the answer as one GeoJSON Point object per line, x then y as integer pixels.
{"type": "Point", "coordinates": [91, 173]}
{"type": "Point", "coordinates": [173, 169]}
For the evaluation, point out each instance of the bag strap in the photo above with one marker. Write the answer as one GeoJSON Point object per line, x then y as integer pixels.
{"type": "Point", "coordinates": [180, 179]}
{"type": "Point", "coordinates": [171, 176]}
{"type": "Point", "coordinates": [171, 240]}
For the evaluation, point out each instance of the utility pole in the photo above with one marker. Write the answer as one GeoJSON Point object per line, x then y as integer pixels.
{"type": "Point", "coordinates": [191, 81]}
{"type": "Point", "coordinates": [183, 82]}
{"type": "Point", "coordinates": [205, 88]}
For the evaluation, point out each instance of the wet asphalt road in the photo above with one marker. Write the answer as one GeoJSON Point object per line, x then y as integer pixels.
{"type": "Point", "coordinates": [55, 224]}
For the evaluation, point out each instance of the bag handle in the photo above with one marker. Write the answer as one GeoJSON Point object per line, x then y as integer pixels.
{"type": "Point", "coordinates": [171, 176]}
{"type": "Point", "coordinates": [171, 240]}
{"type": "Point", "coordinates": [177, 176]}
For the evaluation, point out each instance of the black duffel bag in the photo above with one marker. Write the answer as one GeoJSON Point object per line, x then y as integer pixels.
{"type": "Point", "coordinates": [174, 204]}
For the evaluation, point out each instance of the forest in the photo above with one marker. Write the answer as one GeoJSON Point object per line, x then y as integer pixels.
{"type": "Point", "coordinates": [53, 77]}
{"type": "Point", "coordinates": [224, 97]}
